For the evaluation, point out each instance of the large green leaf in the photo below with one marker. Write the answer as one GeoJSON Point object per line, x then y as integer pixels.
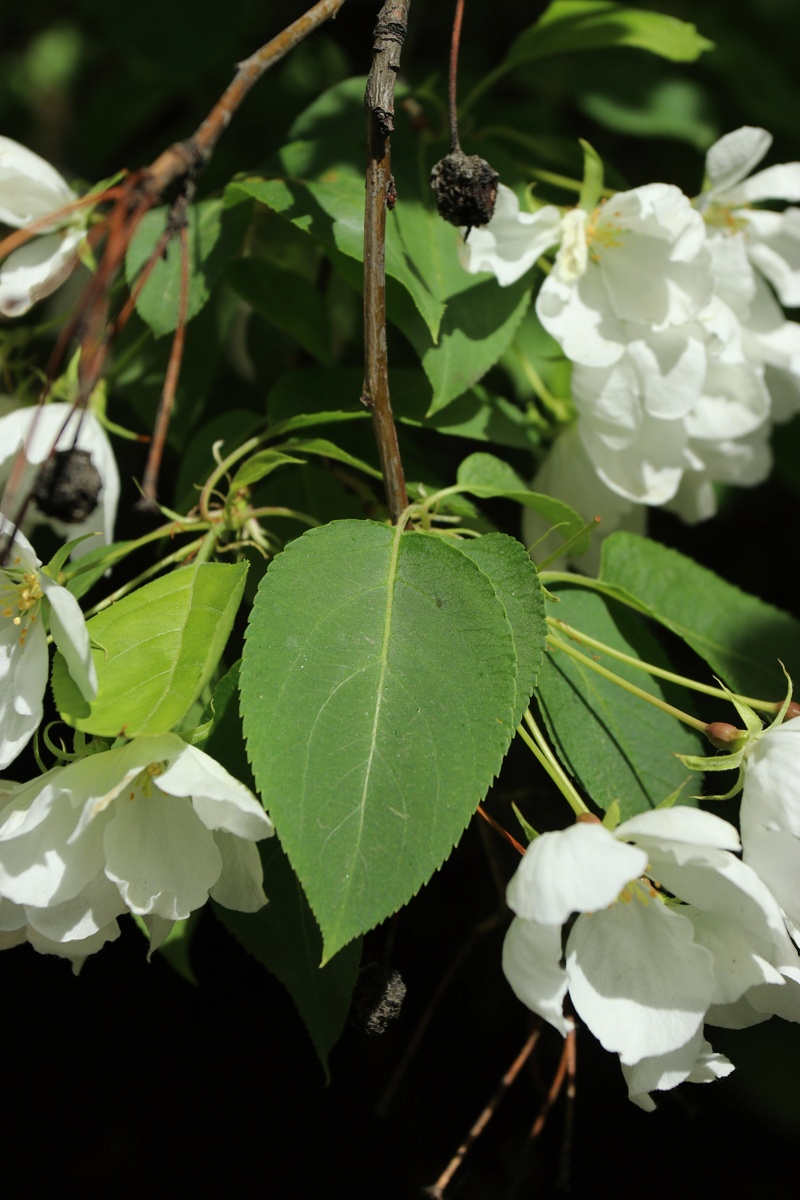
{"type": "Point", "coordinates": [215, 233]}
{"type": "Point", "coordinates": [283, 936]}
{"type": "Point", "coordinates": [740, 637]}
{"type": "Point", "coordinates": [514, 578]}
{"type": "Point", "coordinates": [617, 746]}
{"type": "Point", "coordinates": [378, 696]}
{"type": "Point", "coordinates": [154, 651]}
{"type": "Point", "coordinates": [567, 26]}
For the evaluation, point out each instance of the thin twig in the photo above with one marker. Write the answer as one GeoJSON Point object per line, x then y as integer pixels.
{"type": "Point", "coordinates": [379, 100]}
{"type": "Point", "coordinates": [454, 48]}
{"type": "Point", "coordinates": [436, 1191]}
{"type": "Point", "coordinates": [165, 404]}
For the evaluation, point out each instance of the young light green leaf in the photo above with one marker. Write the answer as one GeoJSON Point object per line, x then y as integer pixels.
{"type": "Point", "coordinates": [215, 235]}
{"type": "Point", "coordinates": [567, 26]}
{"type": "Point", "coordinates": [154, 651]}
{"type": "Point", "coordinates": [378, 693]}
{"type": "Point", "coordinates": [617, 746]}
{"type": "Point", "coordinates": [742, 639]}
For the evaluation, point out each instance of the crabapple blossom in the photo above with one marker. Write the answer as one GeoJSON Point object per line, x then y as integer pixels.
{"type": "Point", "coordinates": [771, 239]}
{"type": "Point", "coordinates": [40, 431]}
{"type": "Point", "coordinates": [152, 827]}
{"type": "Point", "coordinates": [645, 960]}
{"type": "Point", "coordinates": [30, 189]}
{"type": "Point", "coordinates": [25, 590]}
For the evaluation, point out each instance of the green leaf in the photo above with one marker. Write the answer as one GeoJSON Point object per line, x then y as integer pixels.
{"type": "Point", "coordinates": [618, 746]}
{"type": "Point", "coordinates": [476, 329]}
{"type": "Point", "coordinates": [216, 232]}
{"type": "Point", "coordinates": [154, 652]}
{"type": "Point", "coordinates": [485, 476]}
{"type": "Point", "coordinates": [739, 636]}
{"type": "Point", "coordinates": [567, 26]}
{"type": "Point", "coordinates": [258, 466]}
{"type": "Point", "coordinates": [287, 301]}
{"type": "Point", "coordinates": [514, 578]}
{"type": "Point", "coordinates": [93, 567]}
{"type": "Point", "coordinates": [378, 693]}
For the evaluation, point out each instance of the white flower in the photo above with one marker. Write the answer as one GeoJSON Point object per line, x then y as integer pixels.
{"type": "Point", "coordinates": [30, 189]}
{"type": "Point", "coordinates": [512, 241]}
{"type": "Point", "coordinates": [152, 827]}
{"type": "Point", "coordinates": [670, 923]}
{"type": "Point", "coordinates": [770, 815]}
{"type": "Point", "coordinates": [772, 239]}
{"type": "Point", "coordinates": [638, 264]}
{"type": "Point", "coordinates": [24, 659]}
{"type": "Point", "coordinates": [40, 430]}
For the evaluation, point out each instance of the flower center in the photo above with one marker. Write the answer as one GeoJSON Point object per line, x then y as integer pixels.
{"type": "Point", "coordinates": [20, 598]}
{"type": "Point", "coordinates": [719, 216]}
{"type": "Point", "coordinates": [143, 783]}
{"type": "Point", "coordinates": [579, 233]}
{"type": "Point", "coordinates": [641, 890]}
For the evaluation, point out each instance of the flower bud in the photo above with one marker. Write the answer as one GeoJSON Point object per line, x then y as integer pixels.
{"type": "Point", "coordinates": [724, 736]}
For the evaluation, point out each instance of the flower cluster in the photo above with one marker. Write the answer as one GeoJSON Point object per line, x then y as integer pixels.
{"type": "Point", "coordinates": [681, 355]}
{"type": "Point", "coordinates": [153, 827]}
{"type": "Point", "coordinates": [672, 931]}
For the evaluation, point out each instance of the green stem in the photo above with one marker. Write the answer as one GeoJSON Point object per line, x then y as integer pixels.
{"type": "Point", "coordinates": [640, 693]}
{"type": "Point", "coordinates": [538, 745]}
{"type": "Point", "coordinates": [119, 552]}
{"type": "Point", "coordinates": [707, 689]}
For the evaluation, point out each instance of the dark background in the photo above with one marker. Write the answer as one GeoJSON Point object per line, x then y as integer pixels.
{"type": "Point", "coordinates": [131, 1081]}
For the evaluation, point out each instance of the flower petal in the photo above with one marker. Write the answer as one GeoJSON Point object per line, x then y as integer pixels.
{"type": "Point", "coordinates": [36, 269]}
{"type": "Point", "coordinates": [220, 801]}
{"type": "Point", "coordinates": [733, 157]}
{"type": "Point", "coordinates": [30, 188]}
{"type": "Point", "coordinates": [160, 855]}
{"type": "Point", "coordinates": [241, 884]}
{"type": "Point", "coordinates": [512, 241]}
{"type": "Point", "coordinates": [579, 869]}
{"type": "Point", "coordinates": [637, 978]}
{"type": "Point", "coordinates": [532, 965]}
{"type": "Point", "coordinates": [71, 636]}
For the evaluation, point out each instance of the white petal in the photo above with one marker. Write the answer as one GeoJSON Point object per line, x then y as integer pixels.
{"type": "Point", "coordinates": [241, 884]}
{"type": "Point", "coordinates": [781, 182]}
{"type": "Point", "coordinates": [690, 826]}
{"type": "Point", "coordinates": [29, 187]}
{"type": "Point", "coordinates": [734, 156]}
{"type": "Point", "coordinates": [637, 979]}
{"type": "Point", "coordinates": [774, 247]}
{"type": "Point", "coordinates": [23, 679]}
{"type": "Point", "coordinates": [771, 796]}
{"type": "Point", "coordinates": [36, 269]}
{"type": "Point", "coordinates": [159, 929]}
{"type": "Point", "coordinates": [79, 949]}
{"type": "Point", "coordinates": [532, 965]}
{"type": "Point", "coordinates": [71, 636]}
{"type": "Point", "coordinates": [220, 801]}
{"type": "Point", "coordinates": [160, 855]}
{"type": "Point", "coordinates": [512, 241]}
{"type": "Point", "coordinates": [738, 965]}
{"type": "Point", "coordinates": [695, 1062]}
{"type": "Point", "coordinates": [775, 857]}
{"type": "Point", "coordinates": [579, 869]}
{"type": "Point", "coordinates": [92, 910]}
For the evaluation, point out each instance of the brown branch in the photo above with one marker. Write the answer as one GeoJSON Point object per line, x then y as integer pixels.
{"type": "Point", "coordinates": [436, 1190]}
{"type": "Point", "coordinates": [379, 101]}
